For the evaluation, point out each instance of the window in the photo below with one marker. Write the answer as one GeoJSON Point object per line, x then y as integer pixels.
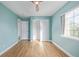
{"type": "Point", "coordinates": [71, 23]}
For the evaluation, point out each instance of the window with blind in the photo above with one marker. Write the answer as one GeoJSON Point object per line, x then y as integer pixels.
{"type": "Point", "coordinates": [70, 22]}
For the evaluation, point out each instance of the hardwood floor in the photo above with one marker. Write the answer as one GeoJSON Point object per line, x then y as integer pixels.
{"type": "Point", "coordinates": [34, 49]}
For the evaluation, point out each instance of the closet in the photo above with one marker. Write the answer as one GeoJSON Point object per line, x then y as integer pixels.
{"type": "Point", "coordinates": [40, 29]}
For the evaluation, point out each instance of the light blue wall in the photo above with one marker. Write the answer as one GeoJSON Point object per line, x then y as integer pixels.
{"type": "Point", "coordinates": [70, 45]}
{"type": "Point", "coordinates": [8, 28]}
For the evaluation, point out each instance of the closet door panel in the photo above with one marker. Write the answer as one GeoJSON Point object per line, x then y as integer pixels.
{"type": "Point", "coordinates": [36, 30]}
{"type": "Point", "coordinates": [44, 33]}
{"type": "Point", "coordinates": [23, 30]}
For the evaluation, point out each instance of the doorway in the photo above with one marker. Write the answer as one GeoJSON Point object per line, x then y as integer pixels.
{"type": "Point", "coordinates": [23, 30]}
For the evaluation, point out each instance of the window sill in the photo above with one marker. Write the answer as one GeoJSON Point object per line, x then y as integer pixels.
{"type": "Point", "coordinates": [70, 37]}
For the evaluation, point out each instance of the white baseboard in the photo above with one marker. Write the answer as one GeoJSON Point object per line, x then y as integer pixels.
{"type": "Point", "coordinates": [63, 49]}
{"type": "Point", "coordinates": [8, 48]}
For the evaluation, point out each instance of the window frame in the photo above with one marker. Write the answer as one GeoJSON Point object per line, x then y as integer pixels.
{"type": "Point", "coordinates": [63, 26]}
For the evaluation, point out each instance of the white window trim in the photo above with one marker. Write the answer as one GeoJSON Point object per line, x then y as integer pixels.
{"type": "Point", "coordinates": [70, 37]}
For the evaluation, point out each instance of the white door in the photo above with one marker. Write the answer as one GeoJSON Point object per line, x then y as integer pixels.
{"type": "Point", "coordinates": [44, 30]}
{"type": "Point", "coordinates": [36, 30]}
{"type": "Point", "coordinates": [23, 29]}
{"type": "Point", "coordinates": [40, 30]}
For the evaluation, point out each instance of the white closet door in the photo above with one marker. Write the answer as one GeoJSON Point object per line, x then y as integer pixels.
{"type": "Point", "coordinates": [40, 30]}
{"type": "Point", "coordinates": [44, 30]}
{"type": "Point", "coordinates": [36, 30]}
{"type": "Point", "coordinates": [24, 30]}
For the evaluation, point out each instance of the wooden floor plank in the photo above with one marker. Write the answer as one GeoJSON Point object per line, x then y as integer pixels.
{"type": "Point", "coordinates": [34, 49]}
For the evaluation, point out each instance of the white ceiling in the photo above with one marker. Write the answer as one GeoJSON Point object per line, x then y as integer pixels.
{"type": "Point", "coordinates": [26, 8]}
